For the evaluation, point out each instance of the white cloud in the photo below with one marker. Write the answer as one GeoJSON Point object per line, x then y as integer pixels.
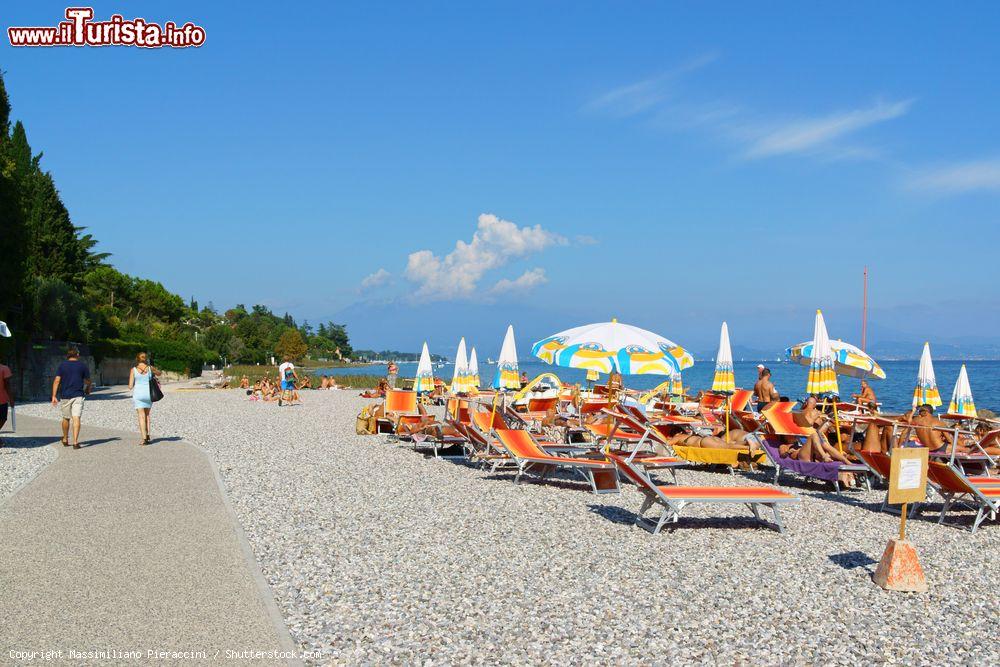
{"type": "Point", "coordinates": [958, 178]}
{"type": "Point", "coordinates": [494, 244]}
{"type": "Point", "coordinates": [377, 279]}
{"type": "Point", "coordinates": [641, 96]}
{"type": "Point", "coordinates": [819, 135]}
{"type": "Point", "coordinates": [527, 281]}
{"type": "Point", "coordinates": [585, 239]}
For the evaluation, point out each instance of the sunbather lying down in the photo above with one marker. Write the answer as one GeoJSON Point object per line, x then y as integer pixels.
{"type": "Point", "coordinates": [737, 440]}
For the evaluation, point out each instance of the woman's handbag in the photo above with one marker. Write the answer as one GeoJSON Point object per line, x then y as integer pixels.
{"type": "Point", "coordinates": [155, 393]}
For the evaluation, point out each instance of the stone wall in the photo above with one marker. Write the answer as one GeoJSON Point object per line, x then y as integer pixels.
{"type": "Point", "coordinates": [34, 380]}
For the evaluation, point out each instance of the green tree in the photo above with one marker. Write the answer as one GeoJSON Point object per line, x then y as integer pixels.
{"type": "Point", "coordinates": [290, 344]}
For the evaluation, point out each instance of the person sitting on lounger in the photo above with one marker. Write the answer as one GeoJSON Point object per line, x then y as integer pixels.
{"type": "Point", "coordinates": [927, 428]}
{"type": "Point", "coordinates": [866, 397]}
{"type": "Point", "coordinates": [817, 446]}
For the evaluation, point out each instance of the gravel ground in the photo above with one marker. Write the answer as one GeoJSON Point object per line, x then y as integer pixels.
{"type": "Point", "coordinates": [377, 554]}
{"type": "Point", "coordinates": [22, 458]}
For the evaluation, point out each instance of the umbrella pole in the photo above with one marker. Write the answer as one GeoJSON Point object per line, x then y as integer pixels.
{"type": "Point", "coordinates": [727, 419]}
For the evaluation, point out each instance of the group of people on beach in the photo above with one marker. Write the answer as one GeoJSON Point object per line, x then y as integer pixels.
{"type": "Point", "coordinates": [285, 388]}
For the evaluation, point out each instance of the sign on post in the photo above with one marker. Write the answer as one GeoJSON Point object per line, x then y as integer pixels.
{"type": "Point", "coordinates": [908, 475]}
{"type": "Point", "coordinates": [899, 568]}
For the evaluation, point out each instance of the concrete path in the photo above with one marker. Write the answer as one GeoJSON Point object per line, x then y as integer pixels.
{"type": "Point", "coordinates": [116, 547]}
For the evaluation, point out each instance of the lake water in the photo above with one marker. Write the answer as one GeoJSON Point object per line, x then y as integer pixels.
{"type": "Point", "coordinates": [895, 392]}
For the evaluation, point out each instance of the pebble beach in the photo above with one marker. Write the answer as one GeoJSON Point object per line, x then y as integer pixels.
{"type": "Point", "coordinates": [378, 554]}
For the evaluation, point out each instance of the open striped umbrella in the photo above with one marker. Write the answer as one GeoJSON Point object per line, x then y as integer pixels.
{"type": "Point", "coordinates": [425, 372]}
{"type": "Point", "coordinates": [506, 376]}
{"type": "Point", "coordinates": [926, 391]}
{"type": "Point", "coordinates": [847, 359]}
{"type": "Point", "coordinates": [613, 346]}
{"type": "Point", "coordinates": [822, 377]}
{"type": "Point", "coordinates": [961, 397]}
{"type": "Point", "coordinates": [473, 370]}
{"type": "Point", "coordinates": [460, 378]}
{"type": "Point", "coordinates": [725, 380]}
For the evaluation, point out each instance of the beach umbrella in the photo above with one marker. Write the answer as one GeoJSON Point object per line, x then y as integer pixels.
{"type": "Point", "coordinates": [4, 330]}
{"type": "Point", "coordinates": [847, 359]}
{"type": "Point", "coordinates": [926, 390]}
{"type": "Point", "coordinates": [724, 381]}
{"type": "Point", "coordinates": [961, 397]}
{"type": "Point", "coordinates": [506, 376]}
{"type": "Point", "coordinates": [473, 370]}
{"type": "Point", "coordinates": [425, 372]}
{"type": "Point", "coordinates": [460, 378]}
{"type": "Point", "coordinates": [822, 376]}
{"type": "Point", "coordinates": [613, 346]}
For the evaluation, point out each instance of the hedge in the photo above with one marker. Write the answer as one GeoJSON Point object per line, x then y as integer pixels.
{"type": "Point", "coordinates": [167, 355]}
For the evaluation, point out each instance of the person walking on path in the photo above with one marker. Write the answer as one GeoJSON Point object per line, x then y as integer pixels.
{"type": "Point", "coordinates": [71, 385]}
{"type": "Point", "coordinates": [392, 370]}
{"type": "Point", "coordinates": [6, 396]}
{"type": "Point", "coordinates": [138, 382]}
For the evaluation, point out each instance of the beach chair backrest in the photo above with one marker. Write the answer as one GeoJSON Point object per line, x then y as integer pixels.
{"type": "Point", "coordinates": [398, 401]}
{"type": "Point", "coordinates": [592, 407]}
{"type": "Point", "coordinates": [948, 478]}
{"type": "Point", "coordinates": [879, 462]}
{"type": "Point", "coordinates": [740, 399]}
{"type": "Point", "coordinates": [710, 401]}
{"type": "Point", "coordinates": [485, 423]}
{"type": "Point", "coordinates": [542, 404]}
{"type": "Point", "coordinates": [520, 444]}
{"type": "Point", "coordinates": [458, 408]}
{"type": "Point", "coordinates": [779, 417]}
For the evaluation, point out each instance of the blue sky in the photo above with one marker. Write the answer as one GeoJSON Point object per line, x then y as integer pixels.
{"type": "Point", "coordinates": [430, 171]}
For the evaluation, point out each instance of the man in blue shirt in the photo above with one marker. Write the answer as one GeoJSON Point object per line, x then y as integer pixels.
{"type": "Point", "coordinates": [71, 385]}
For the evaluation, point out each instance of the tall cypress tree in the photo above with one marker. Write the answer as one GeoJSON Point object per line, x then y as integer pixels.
{"type": "Point", "coordinates": [12, 232]}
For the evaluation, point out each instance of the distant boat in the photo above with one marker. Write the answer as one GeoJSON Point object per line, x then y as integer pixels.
{"type": "Point", "coordinates": [491, 362]}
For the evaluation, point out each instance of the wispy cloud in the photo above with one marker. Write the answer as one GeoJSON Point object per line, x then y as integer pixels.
{"type": "Point", "coordinates": [377, 279]}
{"type": "Point", "coordinates": [821, 134]}
{"type": "Point", "coordinates": [957, 178]}
{"type": "Point", "coordinates": [494, 244]}
{"type": "Point", "coordinates": [526, 282]}
{"type": "Point", "coordinates": [752, 135]}
{"type": "Point", "coordinates": [643, 95]}
{"type": "Point", "coordinates": [585, 239]}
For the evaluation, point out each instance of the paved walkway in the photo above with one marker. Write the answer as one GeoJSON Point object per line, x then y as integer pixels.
{"type": "Point", "coordinates": [116, 547]}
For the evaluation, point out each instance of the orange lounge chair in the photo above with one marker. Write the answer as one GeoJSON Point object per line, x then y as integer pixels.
{"type": "Point", "coordinates": [954, 487]}
{"type": "Point", "coordinates": [781, 422]}
{"type": "Point", "coordinates": [600, 474]}
{"type": "Point", "coordinates": [674, 499]}
{"type": "Point", "coordinates": [398, 405]}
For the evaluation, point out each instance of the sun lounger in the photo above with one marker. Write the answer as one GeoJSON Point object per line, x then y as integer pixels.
{"type": "Point", "coordinates": [398, 404]}
{"type": "Point", "coordinates": [673, 499]}
{"type": "Point", "coordinates": [526, 452]}
{"type": "Point", "coordinates": [956, 488]}
{"type": "Point", "coordinates": [779, 418]}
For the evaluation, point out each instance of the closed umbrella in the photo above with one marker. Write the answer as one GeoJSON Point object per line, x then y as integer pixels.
{"type": "Point", "coordinates": [724, 380]}
{"type": "Point", "coordinates": [460, 378]}
{"type": "Point", "coordinates": [961, 398]}
{"type": "Point", "coordinates": [506, 376]}
{"type": "Point", "coordinates": [473, 370]}
{"type": "Point", "coordinates": [4, 330]}
{"type": "Point", "coordinates": [926, 391]}
{"type": "Point", "coordinates": [424, 382]}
